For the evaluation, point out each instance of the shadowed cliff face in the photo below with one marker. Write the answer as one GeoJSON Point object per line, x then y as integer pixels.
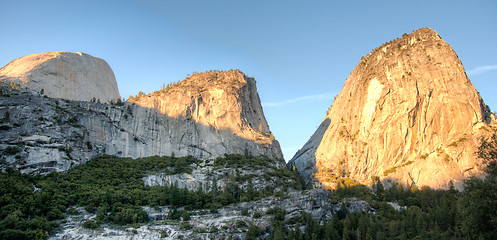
{"type": "Point", "coordinates": [56, 134]}
{"type": "Point", "coordinates": [73, 76]}
{"type": "Point", "coordinates": [406, 113]}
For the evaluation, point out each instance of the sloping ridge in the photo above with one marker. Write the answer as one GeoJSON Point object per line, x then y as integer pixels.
{"type": "Point", "coordinates": [406, 113]}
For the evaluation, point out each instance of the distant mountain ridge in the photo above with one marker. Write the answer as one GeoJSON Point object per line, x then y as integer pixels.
{"type": "Point", "coordinates": [406, 113]}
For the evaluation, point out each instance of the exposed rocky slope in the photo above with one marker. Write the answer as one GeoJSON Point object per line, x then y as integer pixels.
{"type": "Point", "coordinates": [205, 120]}
{"type": "Point", "coordinates": [229, 221]}
{"type": "Point", "coordinates": [73, 76]}
{"type": "Point", "coordinates": [407, 113]}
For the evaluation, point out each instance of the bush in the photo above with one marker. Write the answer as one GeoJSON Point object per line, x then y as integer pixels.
{"type": "Point", "coordinates": [90, 224]}
{"type": "Point", "coordinates": [185, 226]}
{"type": "Point", "coordinates": [278, 213]}
{"type": "Point", "coordinates": [253, 232]}
{"type": "Point", "coordinates": [185, 216]}
{"type": "Point", "coordinates": [174, 214]}
{"type": "Point", "coordinates": [245, 212]}
{"type": "Point", "coordinates": [241, 224]}
{"type": "Point", "coordinates": [12, 150]}
{"type": "Point", "coordinates": [128, 214]}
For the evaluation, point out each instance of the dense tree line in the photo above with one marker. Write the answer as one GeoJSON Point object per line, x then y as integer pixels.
{"type": "Point", "coordinates": [424, 214]}
{"type": "Point", "coordinates": [31, 207]}
{"type": "Point", "coordinates": [428, 214]}
{"type": "Point", "coordinates": [113, 188]}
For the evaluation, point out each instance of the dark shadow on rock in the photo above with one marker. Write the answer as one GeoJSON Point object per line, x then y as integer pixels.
{"type": "Point", "coordinates": [57, 134]}
{"type": "Point", "coordinates": [304, 160]}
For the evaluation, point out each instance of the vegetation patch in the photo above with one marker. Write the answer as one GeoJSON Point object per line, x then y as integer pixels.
{"type": "Point", "coordinates": [112, 188]}
{"type": "Point", "coordinates": [389, 171]}
{"type": "Point", "coordinates": [12, 150]}
{"type": "Point", "coordinates": [240, 161]}
{"type": "Point", "coordinates": [455, 144]}
{"type": "Point", "coordinates": [394, 169]}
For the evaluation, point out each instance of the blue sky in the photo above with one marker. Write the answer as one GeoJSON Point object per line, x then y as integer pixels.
{"type": "Point", "coordinates": [300, 52]}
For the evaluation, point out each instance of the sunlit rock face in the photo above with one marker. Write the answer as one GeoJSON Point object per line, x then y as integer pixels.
{"type": "Point", "coordinates": [72, 76]}
{"type": "Point", "coordinates": [208, 114]}
{"type": "Point", "coordinates": [205, 116]}
{"type": "Point", "coordinates": [406, 113]}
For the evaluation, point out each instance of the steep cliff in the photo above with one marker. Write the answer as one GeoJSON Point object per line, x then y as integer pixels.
{"type": "Point", "coordinates": [194, 117]}
{"type": "Point", "coordinates": [209, 114]}
{"type": "Point", "coordinates": [73, 76]}
{"type": "Point", "coordinates": [406, 113]}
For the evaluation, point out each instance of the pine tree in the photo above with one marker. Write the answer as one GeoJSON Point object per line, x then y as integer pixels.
{"type": "Point", "coordinates": [478, 204]}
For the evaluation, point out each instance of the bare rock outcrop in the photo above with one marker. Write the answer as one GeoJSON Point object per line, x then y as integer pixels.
{"type": "Point", "coordinates": [407, 113]}
{"type": "Point", "coordinates": [203, 116]}
{"type": "Point", "coordinates": [208, 114]}
{"type": "Point", "coordinates": [227, 221]}
{"type": "Point", "coordinates": [72, 76]}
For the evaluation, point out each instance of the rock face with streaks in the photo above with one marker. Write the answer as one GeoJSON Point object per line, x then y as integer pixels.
{"type": "Point", "coordinates": [72, 76]}
{"type": "Point", "coordinates": [407, 113]}
{"type": "Point", "coordinates": [205, 116]}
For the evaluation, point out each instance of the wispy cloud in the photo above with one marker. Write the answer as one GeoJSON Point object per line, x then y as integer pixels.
{"type": "Point", "coordinates": [482, 69]}
{"type": "Point", "coordinates": [316, 97]}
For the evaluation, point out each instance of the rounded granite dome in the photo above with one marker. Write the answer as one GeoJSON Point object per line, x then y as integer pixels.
{"type": "Point", "coordinates": [72, 76]}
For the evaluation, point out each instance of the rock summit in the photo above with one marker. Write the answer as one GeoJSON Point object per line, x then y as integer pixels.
{"type": "Point", "coordinates": [72, 76]}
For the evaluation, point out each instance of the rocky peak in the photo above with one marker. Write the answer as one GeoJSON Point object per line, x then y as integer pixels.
{"type": "Point", "coordinates": [218, 101]}
{"type": "Point", "coordinates": [406, 113]}
{"type": "Point", "coordinates": [203, 116]}
{"type": "Point", "coordinates": [72, 76]}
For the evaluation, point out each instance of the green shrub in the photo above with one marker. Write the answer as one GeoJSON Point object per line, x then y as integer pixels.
{"type": "Point", "coordinates": [241, 224]}
{"type": "Point", "coordinates": [185, 226]}
{"type": "Point", "coordinates": [278, 213]}
{"type": "Point", "coordinates": [11, 150]}
{"type": "Point", "coordinates": [185, 216]}
{"type": "Point", "coordinates": [253, 232]}
{"type": "Point", "coordinates": [128, 214]}
{"type": "Point", "coordinates": [245, 212]}
{"type": "Point", "coordinates": [90, 224]}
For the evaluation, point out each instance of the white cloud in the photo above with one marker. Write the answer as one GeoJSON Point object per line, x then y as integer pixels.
{"type": "Point", "coordinates": [481, 69]}
{"type": "Point", "coordinates": [317, 97]}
